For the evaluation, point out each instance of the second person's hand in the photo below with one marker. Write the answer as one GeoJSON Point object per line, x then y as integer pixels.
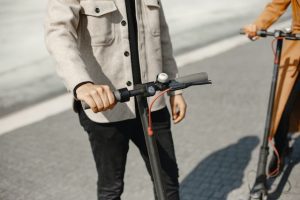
{"type": "Point", "coordinates": [251, 31]}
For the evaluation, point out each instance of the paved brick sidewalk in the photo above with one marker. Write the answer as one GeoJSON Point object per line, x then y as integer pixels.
{"type": "Point", "coordinates": [216, 146]}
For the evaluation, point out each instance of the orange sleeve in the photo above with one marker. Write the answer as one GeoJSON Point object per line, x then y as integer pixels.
{"type": "Point", "coordinates": [271, 13]}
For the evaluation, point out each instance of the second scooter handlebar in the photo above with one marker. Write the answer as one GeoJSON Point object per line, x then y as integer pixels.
{"type": "Point", "coordinates": [276, 34]}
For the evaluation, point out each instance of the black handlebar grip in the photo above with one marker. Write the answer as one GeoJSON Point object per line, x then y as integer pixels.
{"type": "Point", "coordinates": [199, 77]}
{"type": "Point", "coordinates": [262, 33]}
{"type": "Point", "coordinates": [242, 31]}
{"type": "Point", "coordinates": [116, 93]}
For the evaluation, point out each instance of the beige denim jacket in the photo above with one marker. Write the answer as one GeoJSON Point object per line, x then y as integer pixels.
{"type": "Point", "coordinates": [88, 40]}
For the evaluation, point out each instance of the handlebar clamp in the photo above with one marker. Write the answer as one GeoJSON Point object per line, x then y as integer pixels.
{"type": "Point", "coordinates": [122, 95]}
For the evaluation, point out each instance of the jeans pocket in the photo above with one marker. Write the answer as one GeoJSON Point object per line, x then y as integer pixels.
{"type": "Point", "coordinates": [161, 119]}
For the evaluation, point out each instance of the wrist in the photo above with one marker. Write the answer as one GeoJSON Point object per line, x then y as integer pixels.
{"type": "Point", "coordinates": [176, 92]}
{"type": "Point", "coordinates": [78, 86]}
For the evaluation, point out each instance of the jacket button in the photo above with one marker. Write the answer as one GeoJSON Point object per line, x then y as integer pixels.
{"type": "Point", "coordinates": [97, 10]}
{"type": "Point", "coordinates": [128, 83]}
{"type": "Point", "coordinates": [126, 53]}
{"type": "Point", "coordinates": [123, 22]}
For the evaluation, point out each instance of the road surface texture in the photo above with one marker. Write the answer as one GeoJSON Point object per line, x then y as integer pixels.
{"type": "Point", "coordinates": [216, 145]}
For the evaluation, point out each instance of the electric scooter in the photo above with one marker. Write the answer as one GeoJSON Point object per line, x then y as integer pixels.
{"type": "Point", "coordinates": [141, 92]}
{"type": "Point", "coordinates": [260, 191]}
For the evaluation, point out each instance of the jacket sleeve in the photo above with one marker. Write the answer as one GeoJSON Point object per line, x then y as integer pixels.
{"type": "Point", "coordinates": [271, 13]}
{"type": "Point", "coordinates": [61, 40]}
{"type": "Point", "coordinates": [169, 63]}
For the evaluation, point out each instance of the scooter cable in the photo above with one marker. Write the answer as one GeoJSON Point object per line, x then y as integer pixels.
{"type": "Point", "coordinates": [274, 49]}
{"type": "Point", "coordinates": [275, 172]}
{"type": "Point", "coordinates": [150, 131]}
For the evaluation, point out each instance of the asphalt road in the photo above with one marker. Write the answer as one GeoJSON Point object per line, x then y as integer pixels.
{"type": "Point", "coordinates": [216, 145]}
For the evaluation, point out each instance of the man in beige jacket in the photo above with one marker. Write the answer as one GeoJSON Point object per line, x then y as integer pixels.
{"type": "Point", "coordinates": [103, 45]}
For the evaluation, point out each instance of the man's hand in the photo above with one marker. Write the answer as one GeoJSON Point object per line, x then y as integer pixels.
{"type": "Point", "coordinates": [178, 107]}
{"type": "Point", "coordinates": [98, 97]}
{"type": "Point", "coordinates": [250, 31]}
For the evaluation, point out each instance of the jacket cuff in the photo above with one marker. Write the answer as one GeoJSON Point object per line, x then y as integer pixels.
{"type": "Point", "coordinates": [173, 93]}
{"type": "Point", "coordinates": [77, 86]}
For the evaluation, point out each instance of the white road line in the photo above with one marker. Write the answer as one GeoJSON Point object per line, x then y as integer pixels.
{"type": "Point", "coordinates": [35, 113]}
{"type": "Point", "coordinates": [63, 103]}
{"type": "Point", "coordinates": [210, 50]}
{"type": "Point", "coordinates": [217, 48]}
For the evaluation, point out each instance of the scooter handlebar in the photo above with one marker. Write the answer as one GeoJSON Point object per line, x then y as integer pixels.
{"type": "Point", "coordinates": [276, 33]}
{"type": "Point", "coordinates": [242, 31]}
{"type": "Point", "coordinates": [260, 33]}
{"type": "Point", "coordinates": [123, 95]}
{"type": "Point", "coordinates": [194, 78]}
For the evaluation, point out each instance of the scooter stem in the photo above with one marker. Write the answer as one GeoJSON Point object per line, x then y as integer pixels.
{"type": "Point", "coordinates": [260, 186]}
{"type": "Point", "coordinates": [152, 150]}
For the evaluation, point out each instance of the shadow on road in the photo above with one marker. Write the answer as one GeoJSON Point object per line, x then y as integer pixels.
{"type": "Point", "coordinates": [283, 185]}
{"type": "Point", "coordinates": [219, 173]}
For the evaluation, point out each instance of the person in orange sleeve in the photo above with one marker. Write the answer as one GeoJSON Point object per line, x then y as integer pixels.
{"type": "Point", "coordinates": [286, 110]}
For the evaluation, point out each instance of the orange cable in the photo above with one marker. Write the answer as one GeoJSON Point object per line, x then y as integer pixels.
{"type": "Point", "coordinates": [150, 131]}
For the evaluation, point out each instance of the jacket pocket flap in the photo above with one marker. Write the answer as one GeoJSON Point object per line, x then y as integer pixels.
{"type": "Point", "coordinates": [154, 3]}
{"type": "Point", "coordinates": [97, 8]}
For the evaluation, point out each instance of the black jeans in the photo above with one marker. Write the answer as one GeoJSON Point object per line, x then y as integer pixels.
{"type": "Point", "coordinates": [110, 143]}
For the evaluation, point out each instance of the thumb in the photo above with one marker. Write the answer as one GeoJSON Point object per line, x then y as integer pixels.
{"type": "Point", "coordinates": [174, 110]}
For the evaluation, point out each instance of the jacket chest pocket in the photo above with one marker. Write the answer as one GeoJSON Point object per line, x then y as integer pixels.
{"type": "Point", "coordinates": [97, 19]}
{"type": "Point", "coordinates": [152, 12]}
